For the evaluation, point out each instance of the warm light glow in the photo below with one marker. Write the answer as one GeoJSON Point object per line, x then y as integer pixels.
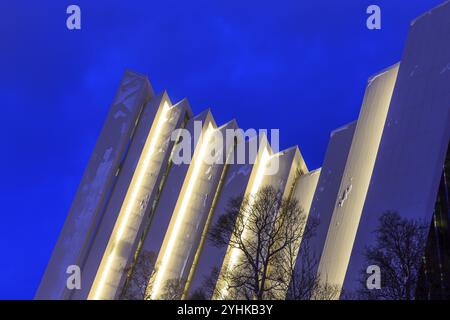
{"type": "Point", "coordinates": [194, 177]}
{"type": "Point", "coordinates": [235, 252]}
{"type": "Point", "coordinates": [254, 190]}
{"type": "Point", "coordinates": [356, 179]}
{"type": "Point", "coordinates": [131, 202]}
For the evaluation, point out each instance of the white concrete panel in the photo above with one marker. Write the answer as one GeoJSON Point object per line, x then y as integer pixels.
{"type": "Point", "coordinates": [414, 142]}
{"type": "Point", "coordinates": [356, 178]}
{"type": "Point", "coordinates": [86, 212]}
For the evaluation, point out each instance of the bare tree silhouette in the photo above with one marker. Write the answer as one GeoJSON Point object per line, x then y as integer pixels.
{"type": "Point", "coordinates": [305, 283]}
{"type": "Point", "coordinates": [398, 251]}
{"type": "Point", "coordinates": [266, 231]}
{"type": "Point", "coordinates": [139, 275]}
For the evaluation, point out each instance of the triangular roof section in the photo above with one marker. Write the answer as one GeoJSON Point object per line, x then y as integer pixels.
{"type": "Point", "coordinates": [185, 106]}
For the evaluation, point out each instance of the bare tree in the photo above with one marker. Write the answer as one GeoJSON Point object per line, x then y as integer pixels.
{"type": "Point", "coordinates": [141, 277]}
{"type": "Point", "coordinates": [303, 280]}
{"type": "Point", "coordinates": [266, 231]}
{"type": "Point", "coordinates": [173, 289]}
{"type": "Point", "coordinates": [305, 283]}
{"type": "Point", "coordinates": [198, 294]}
{"type": "Point", "coordinates": [398, 251]}
{"type": "Point", "coordinates": [138, 277]}
{"type": "Point", "coordinates": [208, 288]}
{"type": "Point", "coordinates": [326, 291]}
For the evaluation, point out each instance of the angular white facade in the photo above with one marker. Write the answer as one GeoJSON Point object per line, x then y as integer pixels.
{"type": "Point", "coordinates": [141, 189]}
{"type": "Point", "coordinates": [208, 257]}
{"type": "Point", "coordinates": [136, 199]}
{"type": "Point", "coordinates": [412, 149]}
{"type": "Point", "coordinates": [325, 195]}
{"type": "Point", "coordinates": [356, 178]}
{"type": "Point", "coordinates": [79, 231]}
{"type": "Point", "coordinates": [397, 153]}
{"type": "Point", "coordinates": [191, 212]}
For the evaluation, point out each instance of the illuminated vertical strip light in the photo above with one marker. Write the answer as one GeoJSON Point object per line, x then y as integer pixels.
{"type": "Point", "coordinates": [235, 253]}
{"type": "Point", "coordinates": [182, 212]}
{"type": "Point", "coordinates": [131, 202]}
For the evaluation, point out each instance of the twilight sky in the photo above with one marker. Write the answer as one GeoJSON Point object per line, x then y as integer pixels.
{"type": "Point", "coordinates": [300, 66]}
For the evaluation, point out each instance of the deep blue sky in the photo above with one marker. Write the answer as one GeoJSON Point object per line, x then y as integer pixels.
{"type": "Point", "coordinates": [300, 66]}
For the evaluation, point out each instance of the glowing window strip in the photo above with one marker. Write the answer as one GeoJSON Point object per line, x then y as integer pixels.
{"type": "Point", "coordinates": [131, 197]}
{"type": "Point", "coordinates": [235, 253]}
{"type": "Point", "coordinates": [182, 211]}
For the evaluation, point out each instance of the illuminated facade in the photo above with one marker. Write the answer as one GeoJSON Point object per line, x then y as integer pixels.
{"type": "Point", "coordinates": [107, 169]}
{"type": "Point", "coordinates": [411, 152]}
{"type": "Point", "coordinates": [183, 236]}
{"type": "Point", "coordinates": [325, 195]}
{"type": "Point", "coordinates": [137, 199]}
{"type": "Point", "coordinates": [356, 177]}
{"type": "Point", "coordinates": [397, 151]}
{"type": "Point", "coordinates": [209, 257]}
{"type": "Point", "coordinates": [290, 166]}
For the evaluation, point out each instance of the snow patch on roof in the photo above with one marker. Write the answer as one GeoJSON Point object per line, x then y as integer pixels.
{"type": "Point", "coordinates": [430, 12]}
{"type": "Point", "coordinates": [344, 127]}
